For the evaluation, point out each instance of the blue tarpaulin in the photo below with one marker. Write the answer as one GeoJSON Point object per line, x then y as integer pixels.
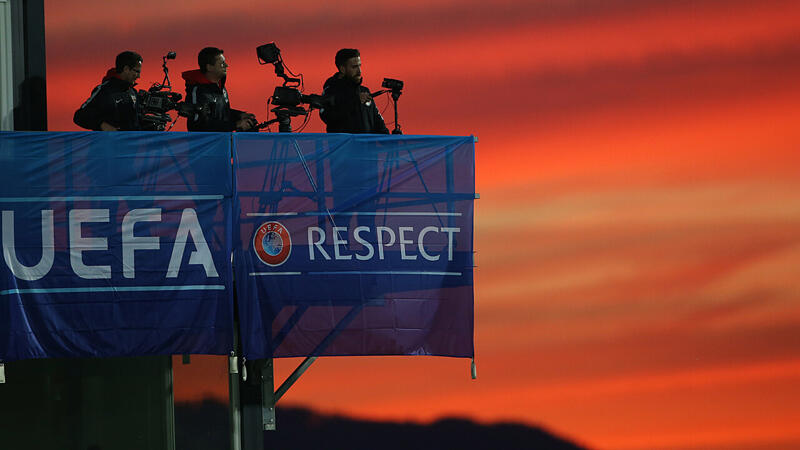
{"type": "Point", "coordinates": [115, 244]}
{"type": "Point", "coordinates": [355, 245]}
{"type": "Point", "coordinates": [118, 244]}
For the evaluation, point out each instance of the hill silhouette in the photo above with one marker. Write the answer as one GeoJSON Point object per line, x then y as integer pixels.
{"type": "Point", "coordinates": [201, 426]}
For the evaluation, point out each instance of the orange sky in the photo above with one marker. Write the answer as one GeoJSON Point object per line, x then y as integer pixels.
{"type": "Point", "coordinates": [638, 232]}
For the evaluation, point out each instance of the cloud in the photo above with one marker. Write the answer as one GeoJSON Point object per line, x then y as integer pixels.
{"type": "Point", "coordinates": [637, 232]}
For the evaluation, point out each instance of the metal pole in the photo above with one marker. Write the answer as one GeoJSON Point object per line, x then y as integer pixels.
{"type": "Point", "coordinates": [170, 406]}
{"type": "Point", "coordinates": [294, 377]}
{"type": "Point", "coordinates": [235, 407]}
{"type": "Point", "coordinates": [268, 396]}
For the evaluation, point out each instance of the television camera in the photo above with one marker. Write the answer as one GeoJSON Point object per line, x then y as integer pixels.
{"type": "Point", "coordinates": [396, 88]}
{"type": "Point", "coordinates": [154, 104]}
{"type": "Point", "coordinates": [288, 98]}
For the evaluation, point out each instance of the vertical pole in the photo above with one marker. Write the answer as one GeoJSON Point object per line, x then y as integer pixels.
{"type": "Point", "coordinates": [268, 394]}
{"type": "Point", "coordinates": [29, 67]}
{"type": "Point", "coordinates": [450, 186]}
{"type": "Point", "coordinates": [233, 396]}
{"type": "Point", "coordinates": [6, 68]}
{"type": "Point", "coordinates": [170, 405]}
{"type": "Point", "coordinates": [234, 406]}
{"type": "Point", "coordinates": [320, 159]}
{"type": "Point", "coordinates": [251, 401]}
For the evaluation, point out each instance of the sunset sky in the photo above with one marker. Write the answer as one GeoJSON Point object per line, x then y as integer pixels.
{"type": "Point", "coordinates": [638, 231]}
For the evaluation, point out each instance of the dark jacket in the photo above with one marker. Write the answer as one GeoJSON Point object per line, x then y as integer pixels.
{"type": "Point", "coordinates": [347, 114]}
{"type": "Point", "coordinates": [112, 101]}
{"type": "Point", "coordinates": [217, 114]}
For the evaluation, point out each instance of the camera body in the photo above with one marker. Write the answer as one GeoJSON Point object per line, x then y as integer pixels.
{"type": "Point", "coordinates": [157, 102]}
{"type": "Point", "coordinates": [153, 104]}
{"type": "Point", "coordinates": [289, 96]}
{"type": "Point", "coordinates": [286, 96]}
{"type": "Point", "coordinates": [153, 107]}
{"type": "Point", "coordinates": [390, 83]}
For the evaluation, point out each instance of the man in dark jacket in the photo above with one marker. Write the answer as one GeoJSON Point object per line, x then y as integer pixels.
{"type": "Point", "coordinates": [353, 110]}
{"type": "Point", "coordinates": [112, 104]}
{"type": "Point", "coordinates": [205, 88]}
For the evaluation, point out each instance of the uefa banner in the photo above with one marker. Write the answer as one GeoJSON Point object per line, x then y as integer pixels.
{"type": "Point", "coordinates": [115, 244]}
{"type": "Point", "coordinates": [354, 244]}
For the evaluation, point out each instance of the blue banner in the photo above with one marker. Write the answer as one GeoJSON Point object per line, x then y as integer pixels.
{"type": "Point", "coordinates": [354, 244]}
{"type": "Point", "coordinates": [115, 244]}
{"type": "Point", "coordinates": [120, 244]}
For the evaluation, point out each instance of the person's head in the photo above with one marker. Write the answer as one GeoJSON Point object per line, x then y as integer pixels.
{"type": "Point", "coordinates": [212, 63]}
{"type": "Point", "coordinates": [348, 61]}
{"type": "Point", "coordinates": [128, 66]}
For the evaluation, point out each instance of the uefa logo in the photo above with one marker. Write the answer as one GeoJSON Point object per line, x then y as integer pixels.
{"type": "Point", "coordinates": [272, 243]}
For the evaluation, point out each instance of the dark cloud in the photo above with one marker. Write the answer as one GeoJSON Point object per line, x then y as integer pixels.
{"type": "Point", "coordinates": [662, 84]}
{"type": "Point", "coordinates": [393, 25]}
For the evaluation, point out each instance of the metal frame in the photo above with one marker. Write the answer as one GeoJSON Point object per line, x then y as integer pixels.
{"type": "Point", "coordinates": [6, 68]}
{"type": "Point", "coordinates": [271, 395]}
{"type": "Point", "coordinates": [264, 369]}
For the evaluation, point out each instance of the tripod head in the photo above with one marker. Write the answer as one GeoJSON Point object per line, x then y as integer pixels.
{"type": "Point", "coordinates": [283, 116]}
{"type": "Point", "coordinates": [396, 88]}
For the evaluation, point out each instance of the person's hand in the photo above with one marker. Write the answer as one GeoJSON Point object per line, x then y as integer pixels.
{"type": "Point", "coordinates": [105, 126]}
{"type": "Point", "coordinates": [246, 121]}
{"type": "Point", "coordinates": [365, 98]}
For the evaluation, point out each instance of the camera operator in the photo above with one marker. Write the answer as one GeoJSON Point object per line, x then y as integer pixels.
{"type": "Point", "coordinates": [205, 88]}
{"type": "Point", "coordinates": [112, 104]}
{"type": "Point", "coordinates": [353, 109]}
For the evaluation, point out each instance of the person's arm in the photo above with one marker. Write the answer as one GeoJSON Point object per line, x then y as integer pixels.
{"type": "Point", "coordinates": [335, 114]}
{"type": "Point", "coordinates": [95, 111]}
{"type": "Point", "coordinates": [205, 119]}
{"type": "Point", "coordinates": [244, 120]}
{"type": "Point", "coordinates": [380, 125]}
